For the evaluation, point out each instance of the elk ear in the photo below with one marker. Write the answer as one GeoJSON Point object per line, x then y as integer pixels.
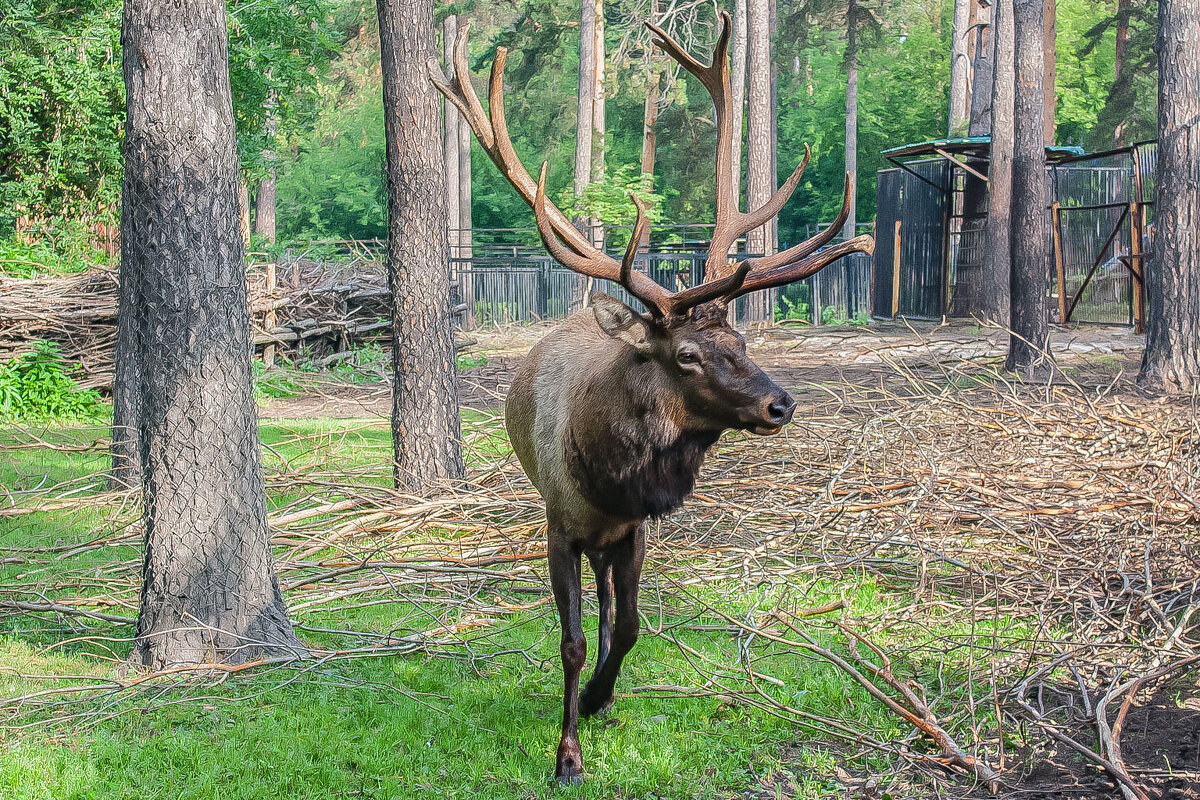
{"type": "Point", "coordinates": [621, 322]}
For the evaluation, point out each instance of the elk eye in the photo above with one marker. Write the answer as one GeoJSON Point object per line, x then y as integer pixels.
{"type": "Point", "coordinates": [688, 357]}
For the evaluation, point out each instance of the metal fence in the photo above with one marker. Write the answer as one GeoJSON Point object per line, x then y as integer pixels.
{"type": "Point", "coordinates": [1101, 218]}
{"type": "Point", "coordinates": [503, 276]}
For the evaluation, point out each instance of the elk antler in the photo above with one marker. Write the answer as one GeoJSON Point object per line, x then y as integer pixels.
{"type": "Point", "coordinates": [565, 244]}
{"type": "Point", "coordinates": [723, 281]}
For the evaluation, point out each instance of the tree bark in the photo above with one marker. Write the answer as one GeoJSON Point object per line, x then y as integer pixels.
{"type": "Point", "coordinates": [587, 94]}
{"type": "Point", "coordinates": [243, 200]}
{"type": "Point", "coordinates": [1050, 65]}
{"type": "Point", "coordinates": [426, 432]}
{"type": "Point", "coordinates": [264, 198]}
{"type": "Point", "coordinates": [598, 118]}
{"type": "Point", "coordinates": [210, 593]}
{"type": "Point", "coordinates": [851, 114]}
{"type": "Point", "coordinates": [981, 85]}
{"type": "Point", "coordinates": [738, 92]}
{"type": "Point", "coordinates": [758, 144]}
{"type": "Point", "coordinates": [960, 69]}
{"type": "Point", "coordinates": [451, 121]}
{"type": "Point", "coordinates": [1030, 271]}
{"type": "Point", "coordinates": [127, 407]}
{"type": "Point", "coordinates": [1172, 359]}
{"type": "Point", "coordinates": [1122, 41]}
{"type": "Point", "coordinates": [997, 259]}
{"type": "Point", "coordinates": [650, 121]}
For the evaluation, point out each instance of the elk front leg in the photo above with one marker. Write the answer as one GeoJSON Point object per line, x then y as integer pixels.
{"type": "Point", "coordinates": [625, 559]}
{"type": "Point", "coordinates": [602, 567]}
{"type": "Point", "coordinates": [565, 580]}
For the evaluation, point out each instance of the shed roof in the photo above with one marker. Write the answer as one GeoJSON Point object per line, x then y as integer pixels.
{"type": "Point", "coordinates": [973, 145]}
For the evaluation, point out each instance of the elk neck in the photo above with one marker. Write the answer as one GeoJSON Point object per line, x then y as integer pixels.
{"type": "Point", "coordinates": [629, 448]}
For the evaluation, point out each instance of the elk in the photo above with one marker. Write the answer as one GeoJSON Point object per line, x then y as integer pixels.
{"type": "Point", "coordinates": [612, 413]}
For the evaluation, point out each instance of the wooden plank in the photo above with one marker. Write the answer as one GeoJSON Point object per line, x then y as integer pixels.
{"type": "Point", "coordinates": [896, 271]}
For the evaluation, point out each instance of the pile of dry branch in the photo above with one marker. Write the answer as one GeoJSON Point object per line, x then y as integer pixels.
{"type": "Point", "coordinates": [305, 308]}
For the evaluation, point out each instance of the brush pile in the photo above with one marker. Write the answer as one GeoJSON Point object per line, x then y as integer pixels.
{"type": "Point", "coordinates": [306, 309]}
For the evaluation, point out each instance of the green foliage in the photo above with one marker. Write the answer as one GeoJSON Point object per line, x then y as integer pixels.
{"type": "Point", "coordinates": [61, 248]}
{"type": "Point", "coordinates": [278, 51]}
{"type": "Point", "coordinates": [61, 110]}
{"type": "Point", "coordinates": [37, 386]}
{"type": "Point", "coordinates": [789, 309]}
{"type": "Point", "coordinates": [469, 361]}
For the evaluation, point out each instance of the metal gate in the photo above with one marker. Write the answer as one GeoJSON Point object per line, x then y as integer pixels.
{"type": "Point", "coordinates": [910, 258]}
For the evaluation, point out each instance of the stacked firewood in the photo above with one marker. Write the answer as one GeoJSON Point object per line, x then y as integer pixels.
{"type": "Point", "coordinates": [304, 310]}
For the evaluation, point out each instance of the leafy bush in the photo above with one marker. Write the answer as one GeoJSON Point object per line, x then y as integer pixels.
{"type": "Point", "coordinates": [38, 386]}
{"type": "Point", "coordinates": [792, 309]}
{"type": "Point", "coordinates": [58, 248]}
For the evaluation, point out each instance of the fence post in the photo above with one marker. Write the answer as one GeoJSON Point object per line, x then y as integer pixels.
{"type": "Point", "coordinates": [1059, 271]}
{"type": "Point", "coordinates": [543, 288]}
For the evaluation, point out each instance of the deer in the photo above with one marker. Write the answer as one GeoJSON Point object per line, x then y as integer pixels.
{"type": "Point", "coordinates": [612, 413]}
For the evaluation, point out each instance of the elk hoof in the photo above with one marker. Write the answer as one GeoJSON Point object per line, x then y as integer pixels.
{"type": "Point", "coordinates": [568, 769]}
{"type": "Point", "coordinates": [592, 702]}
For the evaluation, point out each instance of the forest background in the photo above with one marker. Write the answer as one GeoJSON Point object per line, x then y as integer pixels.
{"type": "Point", "coordinates": [308, 102]}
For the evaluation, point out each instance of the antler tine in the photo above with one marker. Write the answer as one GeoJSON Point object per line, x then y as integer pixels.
{"type": "Point", "coordinates": [639, 230]}
{"type": "Point", "coordinates": [653, 296]}
{"type": "Point", "coordinates": [715, 79]}
{"type": "Point", "coordinates": [492, 132]}
{"type": "Point", "coordinates": [725, 289]}
{"type": "Point", "coordinates": [808, 246]}
{"type": "Point", "coordinates": [803, 268]}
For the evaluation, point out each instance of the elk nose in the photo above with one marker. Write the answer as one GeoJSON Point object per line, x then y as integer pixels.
{"type": "Point", "coordinates": [781, 408]}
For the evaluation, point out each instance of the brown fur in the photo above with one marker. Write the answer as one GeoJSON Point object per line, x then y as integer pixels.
{"type": "Point", "coordinates": [611, 423]}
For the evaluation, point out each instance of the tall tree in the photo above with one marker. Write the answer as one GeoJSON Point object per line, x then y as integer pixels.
{"type": "Point", "coordinates": [598, 115]}
{"type": "Point", "coordinates": [1030, 270]}
{"type": "Point", "coordinates": [452, 120]}
{"type": "Point", "coordinates": [264, 198]}
{"type": "Point", "coordinates": [759, 111]}
{"type": "Point", "coordinates": [737, 53]}
{"type": "Point", "coordinates": [586, 99]}
{"type": "Point", "coordinates": [210, 591]}
{"type": "Point", "coordinates": [1172, 359]}
{"type": "Point", "coordinates": [997, 257]}
{"type": "Point", "coordinates": [426, 432]}
{"type": "Point", "coordinates": [1050, 67]}
{"type": "Point", "coordinates": [852, 9]}
{"type": "Point", "coordinates": [960, 69]}
{"type": "Point", "coordinates": [980, 123]}
{"type": "Point", "coordinates": [1121, 44]}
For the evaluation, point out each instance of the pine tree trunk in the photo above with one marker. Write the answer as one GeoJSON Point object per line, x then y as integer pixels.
{"type": "Point", "coordinates": [264, 198]}
{"type": "Point", "coordinates": [1030, 224]}
{"type": "Point", "coordinates": [650, 121]}
{"type": "Point", "coordinates": [981, 84]}
{"type": "Point", "coordinates": [851, 113]}
{"type": "Point", "coordinates": [426, 432]}
{"type": "Point", "coordinates": [127, 406]}
{"type": "Point", "coordinates": [587, 93]}
{"type": "Point", "coordinates": [997, 258]}
{"type": "Point", "coordinates": [210, 593]}
{"type": "Point", "coordinates": [960, 69]}
{"type": "Point", "coordinates": [243, 201]}
{"type": "Point", "coordinates": [1122, 42]}
{"type": "Point", "coordinates": [758, 143]}
{"type": "Point", "coordinates": [1172, 359]}
{"type": "Point", "coordinates": [598, 118]}
{"type": "Point", "coordinates": [1050, 66]}
{"type": "Point", "coordinates": [738, 92]}
{"type": "Point", "coordinates": [466, 287]}
{"type": "Point", "coordinates": [451, 121]}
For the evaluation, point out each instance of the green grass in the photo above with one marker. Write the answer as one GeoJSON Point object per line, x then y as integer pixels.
{"type": "Point", "coordinates": [478, 719]}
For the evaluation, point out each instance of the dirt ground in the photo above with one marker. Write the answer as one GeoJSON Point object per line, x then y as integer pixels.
{"type": "Point", "coordinates": [801, 359]}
